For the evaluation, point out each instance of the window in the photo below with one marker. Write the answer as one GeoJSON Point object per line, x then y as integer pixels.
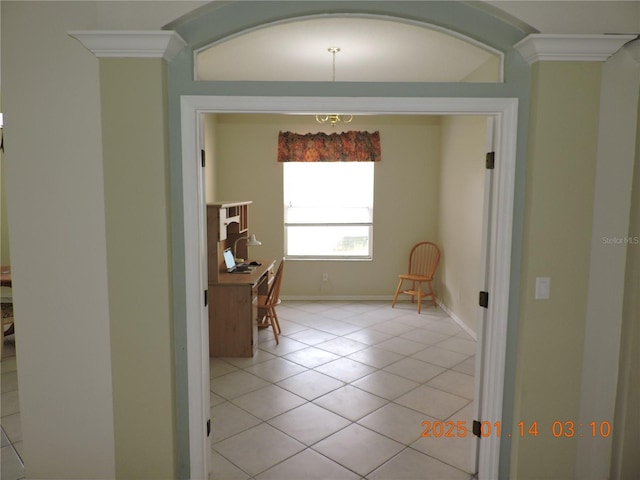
{"type": "Point", "coordinates": [328, 209]}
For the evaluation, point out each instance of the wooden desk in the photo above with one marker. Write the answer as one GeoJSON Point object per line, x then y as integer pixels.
{"type": "Point", "coordinates": [5, 276]}
{"type": "Point", "coordinates": [233, 311]}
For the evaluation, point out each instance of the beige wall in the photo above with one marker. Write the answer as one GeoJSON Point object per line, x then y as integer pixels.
{"type": "Point", "coordinates": [55, 201]}
{"type": "Point", "coordinates": [625, 463]}
{"type": "Point", "coordinates": [489, 71]}
{"type": "Point", "coordinates": [436, 182]}
{"type": "Point", "coordinates": [56, 206]}
{"type": "Point", "coordinates": [557, 240]}
{"type": "Point", "coordinates": [570, 16]}
{"type": "Point", "coordinates": [405, 196]}
{"type": "Point", "coordinates": [209, 140]}
{"type": "Point", "coordinates": [136, 178]}
{"type": "Point", "coordinates": [462, 179]}
{"type": "Point", "coordinates": [612, 197]}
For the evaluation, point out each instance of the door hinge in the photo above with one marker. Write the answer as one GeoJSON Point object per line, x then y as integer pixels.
{"type": "Point", "coordinates": [484, 299]}
{"type": "Point", "coordinates": [208, 427]}
{"type": "Point", "coordinates": [206, 298]}
{"type": "Point", "coordinates": [490, 160]}
{"type": "Point", "coordinates": [202, 160]}
{"type": "Point", "coordinates": [477, 424]}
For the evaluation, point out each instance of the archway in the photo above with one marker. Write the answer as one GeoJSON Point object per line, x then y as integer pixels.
{"type": "Point", "coordinates": [507, 101]}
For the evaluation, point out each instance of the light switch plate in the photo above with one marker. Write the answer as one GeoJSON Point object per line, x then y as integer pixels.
{"type": "Point", "coordinates": [543, 288]}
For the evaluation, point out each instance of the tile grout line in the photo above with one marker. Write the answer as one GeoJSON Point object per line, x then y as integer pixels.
{"type": "Point", "coordinates": [376, 369]}
{"type": "Point", "coordinates": [13, 447]}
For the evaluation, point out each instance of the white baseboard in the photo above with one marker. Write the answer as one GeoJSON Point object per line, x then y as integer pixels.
{"type": "Point", "coordinates": [458, 320]}
{"type": "Point", "coordinates": [338, 298]}
{"type": "Point", "coordinates": [344, 298]}
{"type": "Point", "coordinates": [374, 298]}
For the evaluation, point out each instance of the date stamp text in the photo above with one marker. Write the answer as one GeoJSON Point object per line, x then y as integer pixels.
{"type": "Point", "coordinates": [558, 429]}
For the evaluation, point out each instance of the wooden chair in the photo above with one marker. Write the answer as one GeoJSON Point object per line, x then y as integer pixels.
{"type": "Point", "coordinates": [423, 263]}
{"type": "Point", "coordinates": [267, 316]}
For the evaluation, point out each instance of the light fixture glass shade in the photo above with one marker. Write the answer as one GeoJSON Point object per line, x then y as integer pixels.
{"type": "Point", "coordinates": [334, 118]}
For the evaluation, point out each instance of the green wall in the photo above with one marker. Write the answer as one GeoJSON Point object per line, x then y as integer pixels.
{"type": "Point", "coordinates": [133, 95]}
{"type": "Point", "coordinates": [557, 241]}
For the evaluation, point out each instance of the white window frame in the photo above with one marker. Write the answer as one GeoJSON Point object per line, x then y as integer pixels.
{"type": "Point", "coordinates": [323, 255]}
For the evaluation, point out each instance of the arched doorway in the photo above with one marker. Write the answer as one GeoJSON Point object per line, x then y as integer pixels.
{"type": "Point", "coordinates": [504, 101]}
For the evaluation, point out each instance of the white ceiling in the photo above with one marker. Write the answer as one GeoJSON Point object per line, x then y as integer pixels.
{"type": "Point", "coordinates": [371, 50]}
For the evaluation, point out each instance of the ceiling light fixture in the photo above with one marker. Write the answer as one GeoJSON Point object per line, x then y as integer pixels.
{"type": "Point", "coordinates": [334, 118]}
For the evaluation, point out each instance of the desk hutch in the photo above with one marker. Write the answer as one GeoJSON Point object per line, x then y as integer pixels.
{"type": "Point", "coordinates": [233, 304]}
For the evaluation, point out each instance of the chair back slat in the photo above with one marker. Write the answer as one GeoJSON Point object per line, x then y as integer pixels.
{"type": "Point", "coordinates": [274, 291]}
{"type": "Point", "coordinates": [424, 259]}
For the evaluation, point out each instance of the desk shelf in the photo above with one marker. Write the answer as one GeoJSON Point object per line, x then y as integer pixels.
{"type": "Point", "coordinates": [226, 223]}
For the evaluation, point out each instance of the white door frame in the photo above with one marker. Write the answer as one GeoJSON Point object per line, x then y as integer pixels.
{"type": "Point", "coordinates": [485, 261]}
{"type": "Point", "coordinates": [504, 110]}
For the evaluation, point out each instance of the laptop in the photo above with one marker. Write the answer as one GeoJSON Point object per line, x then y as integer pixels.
{"type": "Point", "coordinates": [232, 266]}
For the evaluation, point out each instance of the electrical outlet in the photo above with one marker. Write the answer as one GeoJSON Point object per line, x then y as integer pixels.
{"type": "Point", "coordinates": [325, 277]}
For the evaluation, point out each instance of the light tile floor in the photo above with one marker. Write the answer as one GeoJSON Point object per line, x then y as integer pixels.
{"type": "Point", "coordinates": [11, 465]}
{"type": "Point", "coordinates": [344, 395]}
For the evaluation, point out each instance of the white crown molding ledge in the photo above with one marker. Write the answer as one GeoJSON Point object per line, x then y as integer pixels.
{"type": "Point", "coordinates": [131, 44]}
{"type": "Point", "coordinates": [541, 47]}
{"type": "Point", "coordinates": [633, 48]}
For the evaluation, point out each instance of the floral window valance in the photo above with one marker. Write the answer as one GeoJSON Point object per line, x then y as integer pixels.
{"type": "Point", "coordinates": [335, 147]}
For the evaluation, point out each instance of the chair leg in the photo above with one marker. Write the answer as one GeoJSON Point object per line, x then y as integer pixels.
{"type": "Point", "coordinates": [273, 324]}
{"type": "Point", "coordinates": [433, 295]}
{"type": "Point", "coordinates": [395, 297]}
{"type": "Point", "coordinates": [277, 321]}
{"type": "Point", "coordinates": [419, 296]}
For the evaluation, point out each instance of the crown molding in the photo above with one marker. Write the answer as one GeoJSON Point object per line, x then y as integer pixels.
{"type": "Point", "coordinates": [633, 48]}
{"type": "Point", "coordinates": [541, 47]}
{"type": "Point", "coordinates": [131, 44]}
